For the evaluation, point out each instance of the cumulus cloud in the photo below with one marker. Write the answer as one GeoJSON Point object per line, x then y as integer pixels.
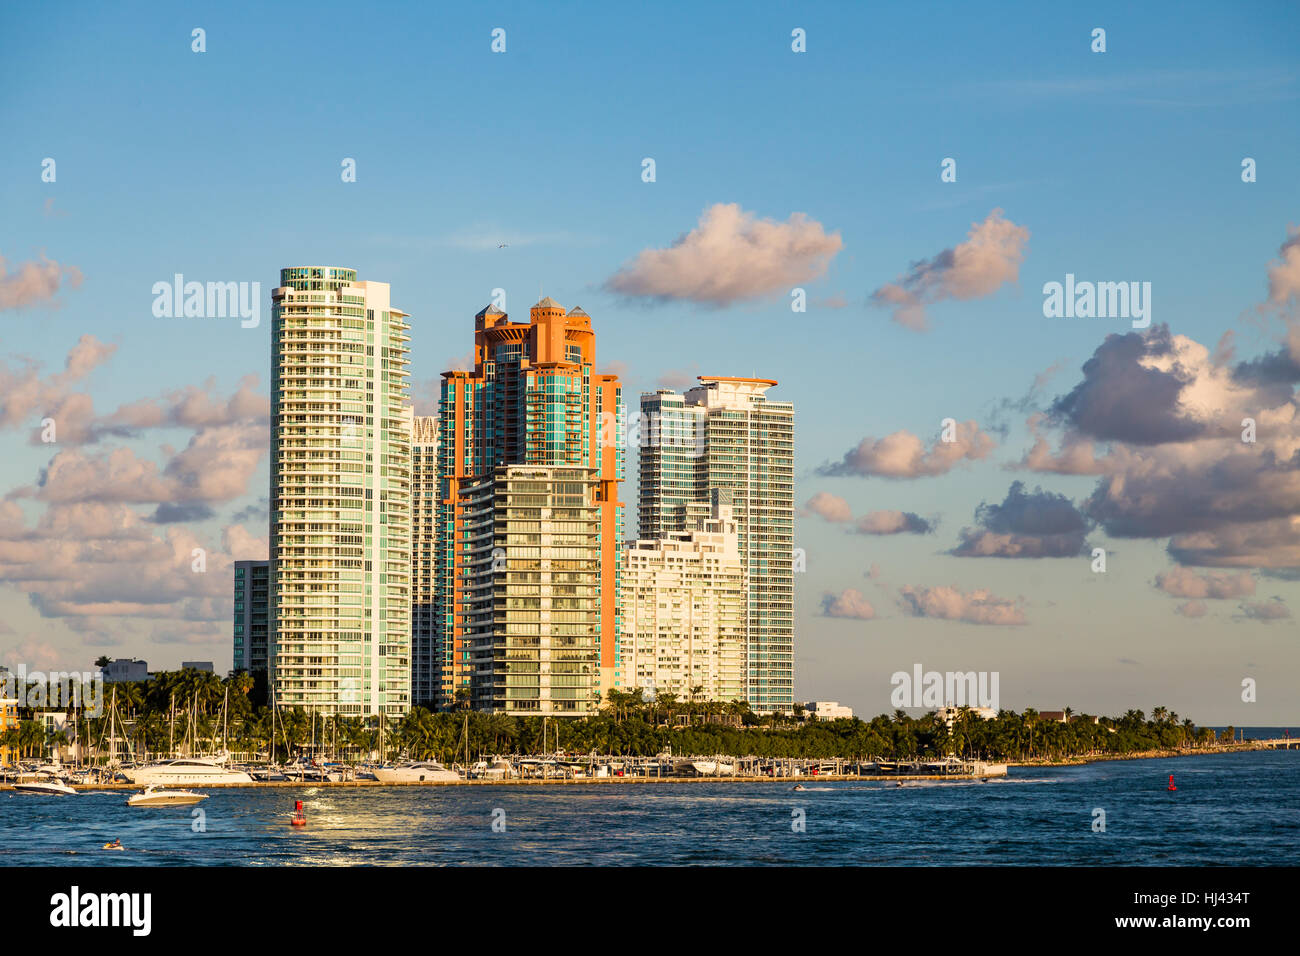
{"type": "Point", "coordinates": [1159, 419]}
{"type": "Point", "coordinates": [111, 542]}
{"type": "Point", "coordinates": [950, 604]}
{"type": "Point", "coordinates": [168, 513]}
{"type": "Point", "coordinates": [34, 655]}
{"type": "Point", "coordinates": [892, 522]}
{"type": "Point", "coordinates": [978, 267]}
{"type": "Point", "coordinates": [29, 398]}
{"type": "Point", "coordinates": [848, 603]}
{"type": "Point", "coordinates": [187, 632]}
{"type": "Point", "coordinates": [1274, 610]}
{"type": "Point", "coordinates": [904, 455]}
{"type": "Point", "coordinates": [1186, 583]}
{"type": "Point", "coordinates": [215, 466]}
{"type": "Point", "coordinates": [193, 407]}
{"type": "Point", "coordinates": [1192, 609]}
{"type": "Point", "coordinates": [730, 256]}
{"type": "Point", "coordinates": [829, 506]}
{"type": "Point", "coordinates": [32, 283]}
{"type": "Point", "coordinates": [260, 511]}
{"type": "Point", "coordinates": [25, 393]}
{"type": "Point", "coordinates": [243, 545]}
{"type": "Point", "coordinates": [1133, 390]}
{"type": "Point", "coordinates": [96, 559]}
{"type": "Point", "coordinates": [837, 511]}
{"type": "Point", "coordinates": [1036, 524]}
{"type": "Point", "coordinates": [1258, 544]}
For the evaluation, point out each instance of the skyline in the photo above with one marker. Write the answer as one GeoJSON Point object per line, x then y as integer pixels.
{"type": "Point", "coordinates": [826, 175]}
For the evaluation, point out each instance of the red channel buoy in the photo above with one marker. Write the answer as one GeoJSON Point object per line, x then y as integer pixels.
{"type": "Point", "coordinates": [300, 818]}
{"type": "Point", "coordinates": [1171, 784]}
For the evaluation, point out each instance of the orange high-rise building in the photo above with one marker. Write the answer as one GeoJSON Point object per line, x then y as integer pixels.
{"type": "Point", "coordinates": [529, 518]}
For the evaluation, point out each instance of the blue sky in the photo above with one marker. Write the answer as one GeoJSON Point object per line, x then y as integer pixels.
{"type": "Point", "coordinates": [1123, 165]}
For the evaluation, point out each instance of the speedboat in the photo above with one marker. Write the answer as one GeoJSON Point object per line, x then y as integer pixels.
{"type": "Point", "coordinates": [162, 797]}
{"type": "Point", "coordinates": [186, 770]}
{"type": "Point", "coordinates": [51, 787]}
{"type": "Point", "coordinates": [425, 771]}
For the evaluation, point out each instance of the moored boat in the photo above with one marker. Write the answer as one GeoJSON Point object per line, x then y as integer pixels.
{"type": "Point", "coordinates": [164, 797]}
{"type": "Point", "coordinates": [186, 770]}
{"type": "Point", "coordinates": [424, 771]}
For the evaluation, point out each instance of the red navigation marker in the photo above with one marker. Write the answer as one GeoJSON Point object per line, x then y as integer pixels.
{"type": "Point", "coordinates": [1171, 784]}
{"type": "Point", "coordinates": [300, 818]}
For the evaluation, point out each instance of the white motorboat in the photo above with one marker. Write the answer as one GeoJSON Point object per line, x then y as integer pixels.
{"type": "Point", "coordinates": [52, 787]}
{"type": "Point", "coordinates": [713, 768]}
{"type": "Point", "coordinates": [185, 770]}
{"type": "Point", "coordinates": [500, 770]}
{"type": "Point", "coordinates": [163, 797]}
{"type": "Point", "coordinates": [425, 771]}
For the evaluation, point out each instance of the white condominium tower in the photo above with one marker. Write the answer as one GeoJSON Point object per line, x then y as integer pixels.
{"type": "Point", "coordinates": [725, 434]}
{"type": "Point", "coordinates": [684, 606]}
{"type": "Point", "coordinates": [340, 496]}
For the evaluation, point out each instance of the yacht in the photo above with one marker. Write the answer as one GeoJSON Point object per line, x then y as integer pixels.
{"type": "Point", "coordinates": [49, 786]}
{"type": "Point", "coordinates": [185, 770]}
{"type": "Point", "coordinates": [161, 797]}
{"type": "Point", "coordinates": [713, 768]}
{"type": "Point", "coordinates": [427, 771]}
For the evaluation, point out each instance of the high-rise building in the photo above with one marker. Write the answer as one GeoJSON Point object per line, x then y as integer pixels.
{"type": "Point", "coordinates": [340, 581]}
{"type": "Point", "coordinates": [684, 609]}
{"type": "Point", "coordinates": [529, 517]}
{"type": "Point", "coordinates": [727, 434]}
{"type": "Point", "coordinates": [430, 662]}
{"type": "Point", "coordinates": [252, 614]}
{"type": "Point", "coordinates": [532, 596]}
{"type": "Point", "coordinates": [671, 438]}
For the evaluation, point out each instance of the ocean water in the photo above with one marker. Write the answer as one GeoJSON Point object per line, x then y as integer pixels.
{"type": "Point", "coordinates": [1229, 809]}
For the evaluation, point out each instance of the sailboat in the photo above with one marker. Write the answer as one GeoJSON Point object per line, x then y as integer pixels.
{"type": "Point", "coordinates": [190, 769]}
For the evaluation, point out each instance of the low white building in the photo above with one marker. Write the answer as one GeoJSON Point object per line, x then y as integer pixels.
{"type": "Point", "coordinates": [949, 714]}
{"type": "Point", "coordinates": [827, 710]}
{"type": "Point", "coordinates": [125, 669]}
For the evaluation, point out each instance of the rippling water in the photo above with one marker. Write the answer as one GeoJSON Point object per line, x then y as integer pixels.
{"type": "Point", "coordinates": [1230, 809]}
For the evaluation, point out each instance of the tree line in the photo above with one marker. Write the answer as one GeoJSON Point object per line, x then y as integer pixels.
{"type": "Point", "coordinates": [154, 716]}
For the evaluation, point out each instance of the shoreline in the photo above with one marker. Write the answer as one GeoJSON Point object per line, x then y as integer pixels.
{"type": "Point", "coordinates": [726, 778]}
{"type": "Point", "coordinates": [1078, 761]}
